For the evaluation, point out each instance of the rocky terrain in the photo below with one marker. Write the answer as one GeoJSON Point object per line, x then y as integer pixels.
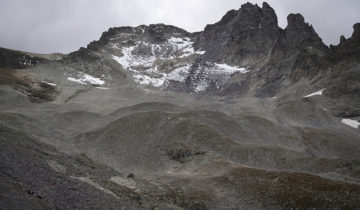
{"type": "Point", "coordinates": [242, 115]}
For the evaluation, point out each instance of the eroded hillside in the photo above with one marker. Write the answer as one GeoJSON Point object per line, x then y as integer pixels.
{"type": "Point", "coordinates": [242, 115]}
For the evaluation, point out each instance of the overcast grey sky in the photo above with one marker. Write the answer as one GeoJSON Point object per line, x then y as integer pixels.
{"type": "Point", "coordinates": [46, 26]}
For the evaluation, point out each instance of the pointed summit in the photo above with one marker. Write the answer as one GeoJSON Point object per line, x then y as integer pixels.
{"type": "Point", "coordinates": [298, 32]}
{"type": "Point", "coordinates": [241, 35]}
{"type": "Point", "coordinates": [269, 17]}
{"type": "Point", "coordinates": [342, 39]}
{"type": "Point", "coordinates": [356, 32]}
{"type": "Point", "coordinates": [265, 5]}
{"type": "Point", "coordinates": [296, 21]}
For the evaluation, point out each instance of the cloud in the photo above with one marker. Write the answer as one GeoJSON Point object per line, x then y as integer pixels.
{"type": "Point", "coordinates": [65, 25]}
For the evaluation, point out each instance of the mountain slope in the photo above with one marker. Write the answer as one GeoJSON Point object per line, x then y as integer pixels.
{"type": "Point", "coordinates": [242, 115]}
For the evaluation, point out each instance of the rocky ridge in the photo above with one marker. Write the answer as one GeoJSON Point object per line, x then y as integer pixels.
{"type": "Point", "coordinates": [242, 115]}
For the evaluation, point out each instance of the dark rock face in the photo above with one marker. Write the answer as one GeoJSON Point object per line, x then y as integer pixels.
{"type": "Point", "coordinates": [251, 36]}
{"type": "Point", "coordinates": [158, 33]}
{"type": "Point", "coordinates": [298, 32]}
{"type": "Point", "coordinates": [16, 60]}
{"type": "Point", "coordinates": [356, 32]}
{"type": "Point", "coordinates": [342, 39]}
{"type": "Point", "coordinates": [344, 80]}
{"type": "Point", "coordinates": [348, 49]}
{"type": "Point", "coordinates": [242, 37]}
{"type": "Point", "coordinates": [269, 18]}
{"type": "Point", "coordinates": [154, 33]}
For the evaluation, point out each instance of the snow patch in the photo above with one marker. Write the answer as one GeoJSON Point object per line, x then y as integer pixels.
{"type": "Point", "coordinates": [350, 122]}
{"type": "Point", "coordinates": [143, 58]}
{"type": "Point", "coordinates": [102, 88]}
{"type": "Point", "coordinates": [179, 74]}
{"type": "Point", "coordinates": [184, 45]}
{"type": "Point", "coordinates": [180, 42]}
{"type": "Point", "coordinates": [215, 73]}
{"type": "Point", "coordinates": [320, 92]}
{"type": "Point", "coordinates": [230, 69]}
{"type": "Point", "coordinates": [49, 83]}
{"type": "Point", "coordinates": [200, 52]}
{"type": "Point", "coordinates": [174, 47]}
{"type": "Point", "coordinates": [26, 61]}
{"type": "Point", "coordinates": [201, 86]}
{"type": "Point", "coordinates": [86, 79]}
{"type": "Point", "coordinates": [127, 59]}
{"type": "Point", "coordinates": [147, 80]}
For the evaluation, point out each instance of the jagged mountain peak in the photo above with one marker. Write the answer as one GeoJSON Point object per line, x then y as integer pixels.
{"type": "Point", "coordinates": [348, 49]}
{"type": "Point", "coordinates": [356, 32]}
{"type": "Point", "coordinates": [171, 58]}
{"type": "Point", "coordinates": [298, 31]}
{"type": "Point", "coordinates": [241, 47]}
{"type": "Point", "coordinates": [153, 33]}
{"type": "Point", "coordinates": [242, 115]}
{"type": "Point", "coordinates": [241, 34]}
{"type": "Point", "coordinates": [296, 21]}
{"type": "Point", "coordinates": [266, 5]}
{"type": "Point", "coordinates": [248, 16]}
{"type": "Point", "coordinates": [269, 16]}
{"type": "Point", "coordinates": [342, 39]}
